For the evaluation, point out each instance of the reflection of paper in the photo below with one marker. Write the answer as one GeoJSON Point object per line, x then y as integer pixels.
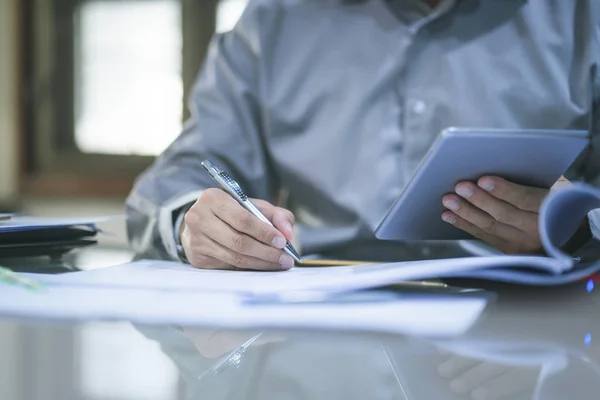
{"type": "Point", "coordinates": [439, 316]}
{"type": "Point", "coordinates": [580, 374]}
{"type": "Point", "coordinates": [22, 223]}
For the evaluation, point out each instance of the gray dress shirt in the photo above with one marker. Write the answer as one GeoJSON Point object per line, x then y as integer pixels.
{"type": "Point", "coordinates": [335, 102]}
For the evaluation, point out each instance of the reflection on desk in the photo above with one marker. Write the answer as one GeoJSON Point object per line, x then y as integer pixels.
{"type": "Point", "coordinates": [327, 367]}
{"type": "Point", "coordinates": [532, 344]}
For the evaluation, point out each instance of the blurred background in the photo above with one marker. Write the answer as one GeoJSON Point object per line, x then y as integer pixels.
{"type": "Point", "coordinates": [90, 92]}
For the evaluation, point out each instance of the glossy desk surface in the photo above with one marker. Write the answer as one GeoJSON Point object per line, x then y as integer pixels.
{"type": "Point", "coordinates": [528, 344]}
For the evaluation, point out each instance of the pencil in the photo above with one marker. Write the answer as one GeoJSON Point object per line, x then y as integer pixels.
{"type": "Point", "coordinates": [332, 263]}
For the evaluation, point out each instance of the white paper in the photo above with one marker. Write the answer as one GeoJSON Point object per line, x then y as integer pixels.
{"type": "Point", "coordinates": [166, 275]}
{"type": "Point", "coordinates": [432, 316]}
{"type": "Point", "coordinates": [562, 212]}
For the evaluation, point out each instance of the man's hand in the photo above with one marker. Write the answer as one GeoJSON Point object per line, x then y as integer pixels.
{"type": "Point", "coordinates": [484, 380]}
{"type": "Point", "coordinates": [218, 233]}
{"type": "Point", "coordinates": [498, 212]}
{"type": "Point", "coordinates": [214, 343]}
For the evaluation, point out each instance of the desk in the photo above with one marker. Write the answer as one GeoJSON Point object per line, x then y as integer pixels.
{"type": "Point", "coordinates": [542, 344]}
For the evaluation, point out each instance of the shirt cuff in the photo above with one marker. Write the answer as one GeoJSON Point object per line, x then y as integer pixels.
{"type": "Point", "coordinates": [166, 226]}
{"type": "Point", "coordinates": [178, 222]}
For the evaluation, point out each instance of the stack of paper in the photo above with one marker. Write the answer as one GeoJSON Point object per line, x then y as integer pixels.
{"type": "Point", "coordinates": [159, 292]}
{"type": "Point", "coordinates": [431, 316]}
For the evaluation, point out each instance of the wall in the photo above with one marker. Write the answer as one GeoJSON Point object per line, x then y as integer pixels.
{"type": "Point", "coordinates": [8, 101]}
{"type": "Point", "coordinates": [8, 174]}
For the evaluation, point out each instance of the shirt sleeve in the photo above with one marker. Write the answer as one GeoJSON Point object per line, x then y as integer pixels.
{"type": "Point", "coordinates": [224, 128]}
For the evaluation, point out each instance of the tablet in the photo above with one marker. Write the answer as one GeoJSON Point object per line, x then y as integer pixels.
{"type": "Point", "coordinates": [528, 157]}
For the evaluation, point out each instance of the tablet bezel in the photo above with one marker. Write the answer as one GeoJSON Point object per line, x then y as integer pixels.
{"type": "Point", "coordinates": [565, 147]}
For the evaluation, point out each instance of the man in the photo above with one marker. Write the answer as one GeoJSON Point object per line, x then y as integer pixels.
{"type": "Point", "coordinates": [335, 102]}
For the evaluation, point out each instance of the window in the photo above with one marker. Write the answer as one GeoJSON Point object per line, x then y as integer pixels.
{"type": "Point", "coordinates": [129, 86]}
{"type": "Point", "coordinates": [228, 13]}
{"type": "Point", "coordinates": [129, 89]}
{"type": "Point", "coordinates": [106, 84]}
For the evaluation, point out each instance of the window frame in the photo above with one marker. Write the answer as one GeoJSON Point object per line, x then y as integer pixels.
{"type": "Point", "coordinates": [52, 164]}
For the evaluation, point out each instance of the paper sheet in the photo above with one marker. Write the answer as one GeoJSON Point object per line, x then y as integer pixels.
{"type": "Point", "coordinates": [165, 275]}
{"type": "Point", "coordinates": [433, 316]}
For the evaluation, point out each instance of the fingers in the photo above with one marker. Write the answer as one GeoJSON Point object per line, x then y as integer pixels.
{"type": "Point", "coordinates": [455, 366]}
{"type": "Point", "coordinates": [242, 220]}
{"type": "Point", "coordinates": [218, 233]}
{"type": "Point", "coordinates": [480, 219]}
{"type": "Point", "coordinates": [522, 197]}
{"type": "Point", "coordinates": [245, 245]}
{"type": "Point", "coordinates": [490, 219]}
{"type": "Point", "coordinates": [519, 381]}
{"type": "Point", "coordinates": [280, 217]}
{"type": "Point", "coordinates": [493, 240]}
{"type": "Point", "coordinates": [284, 221]}
{"type": "Point", "coordinates": [216, 256]}
{"type": "Point", "coordinates": [484, 380]}
{"type": "Point", "coordinates": [476, 377]}
{"type": "Point", "coordinates": [498, 209]}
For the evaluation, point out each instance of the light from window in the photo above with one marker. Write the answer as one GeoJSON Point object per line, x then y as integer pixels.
{"type": "Point", "coordinates": [129, 86]}
{"type": "Point", "coordinates": [228, 14]}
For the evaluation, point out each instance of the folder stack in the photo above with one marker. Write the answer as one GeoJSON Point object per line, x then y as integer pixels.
{"type": "Point", "coordinates": [27, 236]}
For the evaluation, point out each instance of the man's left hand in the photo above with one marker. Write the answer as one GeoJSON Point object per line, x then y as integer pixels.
{"type": "Point", "coordinates": [500, 213]}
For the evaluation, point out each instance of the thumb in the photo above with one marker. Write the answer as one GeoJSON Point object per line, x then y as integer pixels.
{"type": "Point", "coordinates": [284, 221]}
{"type": "Point", "coordinates": [281, 218]}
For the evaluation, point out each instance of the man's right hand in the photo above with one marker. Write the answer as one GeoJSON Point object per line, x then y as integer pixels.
{"type": "Point", "coordinates": [218, 233]}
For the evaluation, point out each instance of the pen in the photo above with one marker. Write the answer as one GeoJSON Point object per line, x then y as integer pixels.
{"type": "Point", "coordinates": [233, 359]}
{"type": "Point", "coordinates": [12, 278]}
{"type": "Point", "coordinates": [228, 184]}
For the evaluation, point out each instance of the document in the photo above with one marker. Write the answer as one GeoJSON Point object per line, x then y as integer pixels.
{"type": "Point", "coordinates": [436, 315]}
{"type": "Point", "coordinates": [177, 277]}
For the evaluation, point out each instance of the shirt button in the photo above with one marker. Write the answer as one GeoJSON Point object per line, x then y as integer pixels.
{"type": "Point", "coordinates": [419, 107]}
